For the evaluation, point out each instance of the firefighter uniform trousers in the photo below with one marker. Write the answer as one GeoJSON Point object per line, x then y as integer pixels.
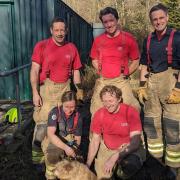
{"type": "Point", "coordinates": [119, 82]}
{"type": "Point", "coordinates": [51, 93]}
{"type": "Point", "coordinates": [104, 154]}
{"type": "Point", "coordinates": [53, 155]}
{"type": "Point", "coordinates": [162, 118]}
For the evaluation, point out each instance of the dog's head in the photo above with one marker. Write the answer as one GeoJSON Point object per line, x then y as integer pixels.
{"type": "Point", "coordinates": [66, 169]}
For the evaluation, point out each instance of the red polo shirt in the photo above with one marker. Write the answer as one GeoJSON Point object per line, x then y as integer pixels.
{"type": "Point", "coordinates": [114, 52]}
{"type": "Point", "coordinates": [116, 128]}
{"type": "Point", "coordinates": [58, 61]}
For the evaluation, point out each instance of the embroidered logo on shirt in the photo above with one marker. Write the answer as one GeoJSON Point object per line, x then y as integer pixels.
{"type": "Point", "coordinates": [124, 124]}
{"type": "Point", "coordinates": [67, 56]}
{"type": "Point", "coordinates": [54, 117]}
{"type": "Point", "coordinates": [120, 48]}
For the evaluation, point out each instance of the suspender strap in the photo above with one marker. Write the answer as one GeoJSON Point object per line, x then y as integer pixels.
{"type": "Point", "coordinates": [169, 47]}
{"type": "Point", "coordinates": [147, 48]}
{"type": "Point", "coordinates": [75, 122]}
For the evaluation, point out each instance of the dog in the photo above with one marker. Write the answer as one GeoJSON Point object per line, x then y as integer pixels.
{"type": "Point", "coordinates": [73, 170]}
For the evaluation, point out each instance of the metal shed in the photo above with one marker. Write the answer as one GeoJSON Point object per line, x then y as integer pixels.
{"type": "Point", "coordinates": [22, 24]}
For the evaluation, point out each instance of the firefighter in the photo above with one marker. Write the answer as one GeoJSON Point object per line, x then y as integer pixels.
{"type": "Point", "coordinates": [115, 56]}
{"type": "Point", "coordinates": [63, 133]}
{"type": "Point", "coordinates": [160, 88]}
{"type": "Point", "coordinates": [53, 62]}
{"type": "Point", "coordinates": [116, 136]}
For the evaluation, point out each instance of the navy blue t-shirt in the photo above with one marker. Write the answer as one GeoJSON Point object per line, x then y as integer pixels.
{"type": "Point", "coordinates": [53, 120]}
{"type": "Point", "coordinates": [158, 52]}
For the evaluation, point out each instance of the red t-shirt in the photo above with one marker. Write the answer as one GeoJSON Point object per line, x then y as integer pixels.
{"type": "Point", "coordinates": [116, 128]}
{"type": "Point", "coordinates": [58, 61]}
{"type": "Point", "coordinates": [113, 53]}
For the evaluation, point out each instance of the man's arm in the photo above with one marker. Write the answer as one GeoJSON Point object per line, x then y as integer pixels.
{"type": "Point", "coordinates": [133, 66]}
{"type": "Point", "coordinates": [130, 148]}
{"type": "Point", "coordinates": [93, 148]}
{"type": "Point", "coordinates": [77, 83]}
{"type": "Point", "coordinates": [143, 73]}
{"type": "Point", "coordinates": [78, 140]}
{"type": "Point", "coordinates": [95, 64]}
{"type": "Point", "coordinates": [76, 77]}
{"type": "Point", "coordinates": [34, 79]}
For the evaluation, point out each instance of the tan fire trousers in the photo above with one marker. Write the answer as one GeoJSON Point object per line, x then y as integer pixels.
{"type": "Point", "coordinates": [119, 82]}
{"type": "Point", "coordinates": [53, 155]}
{"type": "Point", "coordinates": [104, 154]}
{"type": "Point", "coordinates": [162, 120]}
{"type": "Point", "coordinates": [50, 93]}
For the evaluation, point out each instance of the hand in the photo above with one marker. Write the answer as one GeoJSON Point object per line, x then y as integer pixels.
{"type": "Point", "coordinates": [88, 166]}
{"type": "Point", "coordinates": [142, 94]}
{"type": "Point", "coordinates": [109, 164]}
{"type": "Point", "coordinates": [80, 94]}
{"type": "Point", "coordinates": [123, 147]}
{"type": "Point", "coordinates": [174, 96]}
{"type": "Point", "coordinates": [69, 151]}
{"type": "Point", "coordinates": [37, 101]}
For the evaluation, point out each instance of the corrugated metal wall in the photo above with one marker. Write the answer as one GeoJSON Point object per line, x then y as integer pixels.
{"type": "Point", "coordinates": [24, 23]}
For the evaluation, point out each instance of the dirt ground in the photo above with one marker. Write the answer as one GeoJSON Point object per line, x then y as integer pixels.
{"type": "Point", "coordinates": [16, 164]}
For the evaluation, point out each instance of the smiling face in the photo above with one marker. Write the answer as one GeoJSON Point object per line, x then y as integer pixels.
{"type": "Point", "coordinates": [159, 20]}
{"type": "Point", "coordinates": [110, 24]}
{"type": "Point", "coordinates": [58, 32]}
{"type": "Point", "coordinates": [69, 107]}
{"type": "Point", "coordinates": [111, 102]}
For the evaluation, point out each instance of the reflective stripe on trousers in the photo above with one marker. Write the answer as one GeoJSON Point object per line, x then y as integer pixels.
{"type": "Point", "coordinates": [162, 118]}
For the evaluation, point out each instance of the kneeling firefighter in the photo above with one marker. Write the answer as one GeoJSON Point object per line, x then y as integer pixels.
{"type": "Point", "coordinates": [64, 132]}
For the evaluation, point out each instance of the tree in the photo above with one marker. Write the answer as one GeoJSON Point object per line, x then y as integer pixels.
{"type": "Point", "coordinates": [174, 15]}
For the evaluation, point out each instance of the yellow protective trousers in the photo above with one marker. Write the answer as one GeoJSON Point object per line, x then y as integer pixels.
{"type": "Point", "coordinates": [50, 93]}
{"type": "Point", "coordinates": [162, 120]}
{"type": "Point", "coordinates": [105, 153]}
{"type": "Point", "coordinates": [53, 155]}
{"type": "Point", "coordinates": [119, 82]}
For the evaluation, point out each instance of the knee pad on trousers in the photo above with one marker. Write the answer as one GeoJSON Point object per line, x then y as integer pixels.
{"type": "Point", "coordinates": [171, 128]}
{"type": "Point", "coordinates": [54, 155]}
{"type": "Point", "coordinates": [149, 128]}
{"type": "Point", "coordinates": [40, 134]}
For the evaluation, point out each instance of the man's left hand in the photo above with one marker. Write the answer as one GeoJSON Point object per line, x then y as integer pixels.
{"type": "Point", "coordinates": [109, 164]}
{"type": "Point", "coordinates": [80, 94]}
{"type": "Point", "coordinates": [174, 97]}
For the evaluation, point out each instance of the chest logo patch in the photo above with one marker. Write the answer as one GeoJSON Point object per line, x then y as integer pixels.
{"type": "Point", "coordinates": [125, 124]}
{"type": "Point", "coordinates": [67, 56]}
{"type": "Point", "coordinates": [120, 48]}
{"type": "Point", "coordinates": [54, 117]}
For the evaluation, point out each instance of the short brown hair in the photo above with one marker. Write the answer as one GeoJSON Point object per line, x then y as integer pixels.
{"type": "Point", "coordinates": [68, 96]}
{"type": "Point", "coordinates": [157, 7]}
{"type": "Point", "coordinates": [112, 90]}
{"type": "Point", "coordinates": [108, 10]}
{"type": "Point", "coordinates": [58, 19]}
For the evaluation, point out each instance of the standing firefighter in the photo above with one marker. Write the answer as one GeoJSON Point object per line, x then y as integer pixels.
{"type": "Point", "coordinates": [63, 133]}
{"type": "Point", "coordinates": [53, 62]}
{"type": "Point", "coordinates": [110, 53]}
{"type": "Point", "coordinates": [160, 88]}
